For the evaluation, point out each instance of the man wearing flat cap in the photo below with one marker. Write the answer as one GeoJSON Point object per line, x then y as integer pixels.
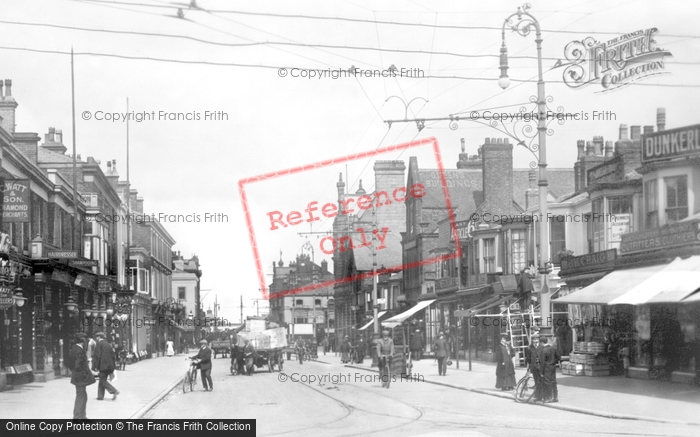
{"type": "Point", "coordinates": [81, 376]}
{"type": "Point", "coordinates": [103, 361]}
{"type": "Point", "coordinates": [416, 345]}
{"type": "Point", "coordinates": [441, 352]}
{"type": "Point", "coordinates": [204, 357]}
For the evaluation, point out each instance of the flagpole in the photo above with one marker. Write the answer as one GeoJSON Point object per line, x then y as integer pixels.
{"type": "Point", "coordinates": [76, 242]}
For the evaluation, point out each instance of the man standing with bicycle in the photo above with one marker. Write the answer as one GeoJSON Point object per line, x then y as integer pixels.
{"type": "Point", "coordinates": [204, 356]}
{"type": "Point", "coordinates": [532, 361]}
{"type": "Point", "coordinates": [385, 353]}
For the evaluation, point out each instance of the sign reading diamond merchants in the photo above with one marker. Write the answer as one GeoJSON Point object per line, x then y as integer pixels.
{"type": "Point", "coordinates": [672, 143]}
{"type": "Point", "coordinates": [675, 234]}
{"type": "Point", "coordinates": [15, 200]}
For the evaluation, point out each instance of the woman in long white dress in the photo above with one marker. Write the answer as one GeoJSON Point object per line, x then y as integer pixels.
{"type": "Point", "coordinates": [171, 349]}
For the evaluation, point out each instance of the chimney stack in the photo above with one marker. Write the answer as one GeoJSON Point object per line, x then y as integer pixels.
{"type": "Point", "coordinates": [53, 141]}
{"type": "Point", "coordinates": [648, 130]}
{"type": "Point", "coordinates": [581, 145]}
{"type": "Point", "coordinates": [497, 162]}
{"type": "Point", "coordinates": [660, 119]}
{"type": "Point", "coordinates": [636, 131]}
{"type": "Point", "coordinates": [623, 132]}
{"type": "Point", "coordinates": [609, 149]}
{"type": "Point", "coordinates": [589, 148]}
{"type": "Point", "coordinates": [7, 107]}
{"type": "Point", "coordinates": [598, 146]}
{"type": "Point", "coordinates": [59, 136]}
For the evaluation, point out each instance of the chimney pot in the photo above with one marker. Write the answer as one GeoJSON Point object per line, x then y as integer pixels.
{"type": "Point", "coordinates": [461, 140]}
{"type": "Point", "coordinates": [589, 148]}
{"type": "Point", "coordinates": [608, 149]}
{"type": "Point", "coordinates": [1, 91]}
{"type": "Point", "coordinates": [636, 130]}
{"type": "Point", "coordinates": [660, 119]}
{"type": "Point", "coordinates": [623, 132]}
{"type": "Point", "coordinates": [648, 130]}
{"type": "Point", "coordinates": [581, 144]}
{"type": "Point", "coordinates": [59, 136]}
{"type": "Point", "coordinates": [8, 87]}
{"type": "Point", "coordinates": [488, 140]}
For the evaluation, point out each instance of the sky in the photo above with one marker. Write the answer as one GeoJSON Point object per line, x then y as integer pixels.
{"type": "Point", "coordinates": [239, 76]}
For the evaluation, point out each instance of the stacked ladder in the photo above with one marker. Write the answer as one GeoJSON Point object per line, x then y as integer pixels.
{"type": "Point", "coordinates": [520, 327]}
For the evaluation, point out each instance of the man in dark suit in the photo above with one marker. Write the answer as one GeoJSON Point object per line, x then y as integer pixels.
{"type": "Point", "coordinates": [81, 376]}
{"type": "Point", "coordinates": [549, 357]}
{"type": "Point", "coordinates": [417, 345]}
{"type": "Point", "coordinates": [103, 361]}
{"type": "Point", "coordinates": [441, 353]}
{"type": "Point", "coordinates": [532, 361]}
{"type": "Point", "coordinates": [204, 357]}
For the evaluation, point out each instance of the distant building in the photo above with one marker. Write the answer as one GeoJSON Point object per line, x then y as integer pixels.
{"type": "Point", "coordinates": [310, 312]}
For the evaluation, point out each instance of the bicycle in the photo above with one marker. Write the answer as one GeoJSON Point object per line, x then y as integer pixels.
{"type": "Point", "coordinates": [525, 389]}
{"type": "Point", "coordinates": [385, 370]}
{"type": "Point", "coordinates": [190, 379]}
{"type": "Point", "coordinates": [354, 357]}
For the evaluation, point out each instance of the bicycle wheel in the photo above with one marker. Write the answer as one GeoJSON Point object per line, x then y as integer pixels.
{"type": "Point", "coordinates": [193, 379]}
{"type": "Point", "coordinates": [525, 389]}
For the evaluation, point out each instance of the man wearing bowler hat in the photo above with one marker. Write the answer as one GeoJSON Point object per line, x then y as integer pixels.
{"type": "Point", "coordinates": [103, 361]}
{"type": "Point", "coordinates": [81, 376]}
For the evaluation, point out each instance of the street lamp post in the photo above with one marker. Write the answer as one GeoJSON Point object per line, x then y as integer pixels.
{"type": "Point", "coordinates": [523, 26]}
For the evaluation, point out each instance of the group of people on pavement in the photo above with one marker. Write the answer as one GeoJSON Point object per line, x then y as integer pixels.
{"type": "Point", "coordinates": [347, 349]}
{"type": "Point", "coordinates": [541, 358]}
{"type": "Point", "coordinates": [86, 357]}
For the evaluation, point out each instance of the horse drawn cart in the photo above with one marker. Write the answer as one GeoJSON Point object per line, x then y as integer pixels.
{"type": "Point", "coordinates": [268, 345]}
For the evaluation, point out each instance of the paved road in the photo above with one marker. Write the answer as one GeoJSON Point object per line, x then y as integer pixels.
{"type": "Point", "coordinates": [351, 402]}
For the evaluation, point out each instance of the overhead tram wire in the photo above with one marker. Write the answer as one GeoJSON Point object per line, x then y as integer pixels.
{"type": "Point", "coordinates": [360, 20]}
{"type": "Point", "coordinates": [281, 43]}
{"type": "Point", "coordinates": [233, 64]}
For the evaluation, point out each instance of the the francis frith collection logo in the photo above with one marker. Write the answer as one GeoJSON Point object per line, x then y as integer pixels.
{"type": "Point", "coordinates": [615, 63]}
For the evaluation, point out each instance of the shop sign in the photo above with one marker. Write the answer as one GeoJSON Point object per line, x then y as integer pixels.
{"type": "Point", "coordinates": [589, 261]}
{"type": "Point", "coordinates": [674, 234]}
{"type": "Point", "coordinates": [104, 285]}
{"type": "Point", "coordinates": [611, 171]}
{"type": "Point", "coordinates": [443, 283]}
{"type": "Point", "coordinates": [6, 299]}
{"type": "Point", "coordinates": [16, 201]}
{"type": "Point", "coordinates": [83, 263]}
{"type": "Point", "coordinates": [671, 143]}
{"type": "Point", "coordinates": [464, 230]}
{"type": "Point", "coordinates": [85, 280]}
{"type": "Point", "coordinates": [62, 254]}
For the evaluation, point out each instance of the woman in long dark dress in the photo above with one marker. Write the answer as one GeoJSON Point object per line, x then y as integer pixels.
{"type": "Point", "coordinates": [505, 372]}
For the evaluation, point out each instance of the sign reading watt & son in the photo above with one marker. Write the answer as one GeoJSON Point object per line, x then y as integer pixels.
{"type": "Point", "coordinates": [672, 143]}
{"type": "Point", "coordinates": [15, 202]}
{"type": "Point", "coordinates": [675, 234]}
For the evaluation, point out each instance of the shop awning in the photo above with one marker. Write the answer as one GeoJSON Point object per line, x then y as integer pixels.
{"type": "Point", "coordinates": [400, 318]}
{"type": "Point", "coordinates": [676, 281]}
{"type": "Point", "coordinates": [379, 316]}
{"type": "Point", "coordinates": [692, 298]}
{"type": "Point", "coordinates": [488, 304]}
{"type": "Point", "coordinates": [610, 287]}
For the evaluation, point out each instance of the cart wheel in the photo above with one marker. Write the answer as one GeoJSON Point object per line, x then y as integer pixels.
{"type": "Point", "coordinates": [269, 365]}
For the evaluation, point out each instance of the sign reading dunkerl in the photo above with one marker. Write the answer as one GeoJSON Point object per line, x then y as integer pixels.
{"type": "Point", "coordinates": [614, 63]}
{"type": "Point", "coordinates": [16, 204]}
{"type": "Point", "coordinates": [672, 143]}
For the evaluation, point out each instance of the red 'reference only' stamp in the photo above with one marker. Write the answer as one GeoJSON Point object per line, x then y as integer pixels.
{"type": "Point", "coordinates": [314, 212]}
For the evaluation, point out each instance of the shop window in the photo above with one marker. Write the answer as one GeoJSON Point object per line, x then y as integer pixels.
{"type": "Point", "coordinates": [676, 198]}
{"type": "Point", "coordinates": [651, 205]}
{"type": "Point", "coordinates": [557, 236]}
{"type": "Point", "coordinates": [181, 293]}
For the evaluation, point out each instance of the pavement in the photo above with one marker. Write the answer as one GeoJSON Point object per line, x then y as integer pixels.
{"type": "Point", "coordinates": [144, 384]}
{"type": "Point", "coordinates": [141, 385]}
{"type": "Point", "coordinates": [605, 396]}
